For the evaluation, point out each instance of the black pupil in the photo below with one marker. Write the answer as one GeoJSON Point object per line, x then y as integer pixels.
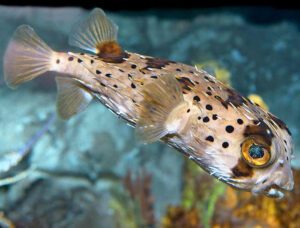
{"type": "Point", "coordinates": [256, 152]}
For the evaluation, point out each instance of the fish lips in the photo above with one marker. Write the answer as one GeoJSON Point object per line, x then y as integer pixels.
{"type": "Point", "coordinates": [273, 190]}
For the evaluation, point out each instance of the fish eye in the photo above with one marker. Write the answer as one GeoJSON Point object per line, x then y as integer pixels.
{"type": "Point", "coordinates": [256, 151]}
{"type": "Point", "coordinates": [254, 154]}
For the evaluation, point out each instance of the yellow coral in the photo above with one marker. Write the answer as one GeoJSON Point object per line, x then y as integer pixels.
{"type": "Point", "coordinates": [5, 222]}
{"type": "Point", "coordinates": [256, 99]}
{"type": "Point", "coordinates": [221, 73]}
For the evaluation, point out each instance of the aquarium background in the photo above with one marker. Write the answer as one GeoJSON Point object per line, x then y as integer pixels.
{"type": "Point", "coordinates": [91, 171]}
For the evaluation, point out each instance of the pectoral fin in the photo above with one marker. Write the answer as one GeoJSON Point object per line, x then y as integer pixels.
{"type": "Point", "coordinates": [161, 109]}
{"type": "Point", "coordinates": [72, 98]}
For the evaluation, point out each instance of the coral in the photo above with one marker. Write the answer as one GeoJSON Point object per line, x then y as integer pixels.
{"type": "Point", "coordinates": [140, 190]}
{"type": "Point", "coordinates": [4, 222]}
{"type": "Point", "coordinates": [214, 68]}
{"type": "Point", "coordinates": [134, 206]}
{"type": "Point", "coordinates": [256, 99]}
{"type": "Point", "coordinates": [242, 209]}
{"type": "Point", "coordinates": [199, 197]}
{"type": "Point", "coordinates": [177, 217]}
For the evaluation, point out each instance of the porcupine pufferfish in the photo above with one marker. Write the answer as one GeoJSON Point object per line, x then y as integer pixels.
{"type": "Point", "coordinates": [226, 134]}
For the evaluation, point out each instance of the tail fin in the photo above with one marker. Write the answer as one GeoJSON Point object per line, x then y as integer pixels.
{"type": "Point", "coordinates": [26, 57]}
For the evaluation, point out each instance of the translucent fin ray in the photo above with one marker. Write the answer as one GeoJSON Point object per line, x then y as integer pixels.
{"type": "Point", "coordinates": [93, 31]}
{"type": "Point", "coordinates": [161, 98]}
{"type": "Point", "coordinates": [26, 57]}
{"type": "Point", "coordinates": [71, 97]}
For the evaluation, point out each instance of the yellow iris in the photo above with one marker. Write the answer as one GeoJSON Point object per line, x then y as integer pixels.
{"type": "Point", "coordinates": [254, 154]}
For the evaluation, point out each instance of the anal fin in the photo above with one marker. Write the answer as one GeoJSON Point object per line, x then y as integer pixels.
{"type": "Point", "coordinates": [162, 109]}
{"type": "Point", "coordinates": [72, 98]}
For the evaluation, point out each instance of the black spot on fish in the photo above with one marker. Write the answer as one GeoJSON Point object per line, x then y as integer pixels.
{"type": "Point", "coordinates": [92, 61]}
{"type": "Point", "coordinates": [98, 72]}
{"type": "Point", "coordinates": [108, 75]}
{"type": "Point", "coordinates": [225, 145]}
{"type": "Point", "coordinates": [57, 61]}
{"type": "Point", "coordinates": [229, 129]}
{"type": "Point", "coordinates": [240, 121]}
{"type": "Point", "coordinates": [79, 60]}
{"type": "Point", "coordinates": [209, 107]}
{"type": "Point", "coordinates": [206, 119]}
{"type": "Point", "coordinates": [214, 116]}
{"type": "Point", "coordinates": [133, 66]}
{"type": "Point", "coordinates": [115, 86]}
{"type": "Point", "coordinates": [210, 138]}
{"type": "Point", "coordinates": [153, 76]}
{"type": "Point", "coordinates": [133, 86]}
{"type": "Point", "coordinates": [196, 99]}
{"type": "Point", "coordinates": [71, 58]}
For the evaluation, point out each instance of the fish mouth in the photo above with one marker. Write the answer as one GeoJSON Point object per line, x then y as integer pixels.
{"type": "Point", "coordinates": [275, 191]}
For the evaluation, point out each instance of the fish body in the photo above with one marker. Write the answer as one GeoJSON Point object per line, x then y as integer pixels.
{"type": "Point", "coordinates": [231, 138]}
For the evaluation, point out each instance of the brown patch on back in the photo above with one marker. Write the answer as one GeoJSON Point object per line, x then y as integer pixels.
{"type": "Point", "coordinates": [111, 58]}
{"type": "Point", "coordinates": [280, 123]}
{"type": "Point", "coordinates": [223, 102]}
{"type": "Point", "coordinates": [235, 98]}
{"type": "Point", "coordinates": [185, 83]}
{"type": "Point", "coordinates": [261, 132]}
{"type": "Point", "coordinates": [157, 63]}
{"type": "Point", "coordinates": [109, 47]}
{"type": "Point", "coordinates": [242, 169]}
{"type": "Point", "coordinates": [111, 52]}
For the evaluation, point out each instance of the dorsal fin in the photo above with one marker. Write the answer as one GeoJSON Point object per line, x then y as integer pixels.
{"type": "Point", "coordinates": [97, 33]}
{"type": "Point", "coordinates": [162, 110]}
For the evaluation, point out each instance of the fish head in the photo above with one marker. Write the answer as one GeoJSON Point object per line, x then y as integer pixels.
{"type": "Point", "coordinates": [255, 157]}
{"type": "Point", "coordinates": [263, 158]}
{"type": "Point", "coordinates": [268, 149]}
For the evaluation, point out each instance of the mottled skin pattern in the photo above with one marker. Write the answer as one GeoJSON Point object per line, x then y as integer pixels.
{"type": "Point", "coordinates": [219, 119]}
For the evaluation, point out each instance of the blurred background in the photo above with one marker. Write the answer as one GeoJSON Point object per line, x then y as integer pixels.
{"type": "Point", "coordinates": [91, 171]}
